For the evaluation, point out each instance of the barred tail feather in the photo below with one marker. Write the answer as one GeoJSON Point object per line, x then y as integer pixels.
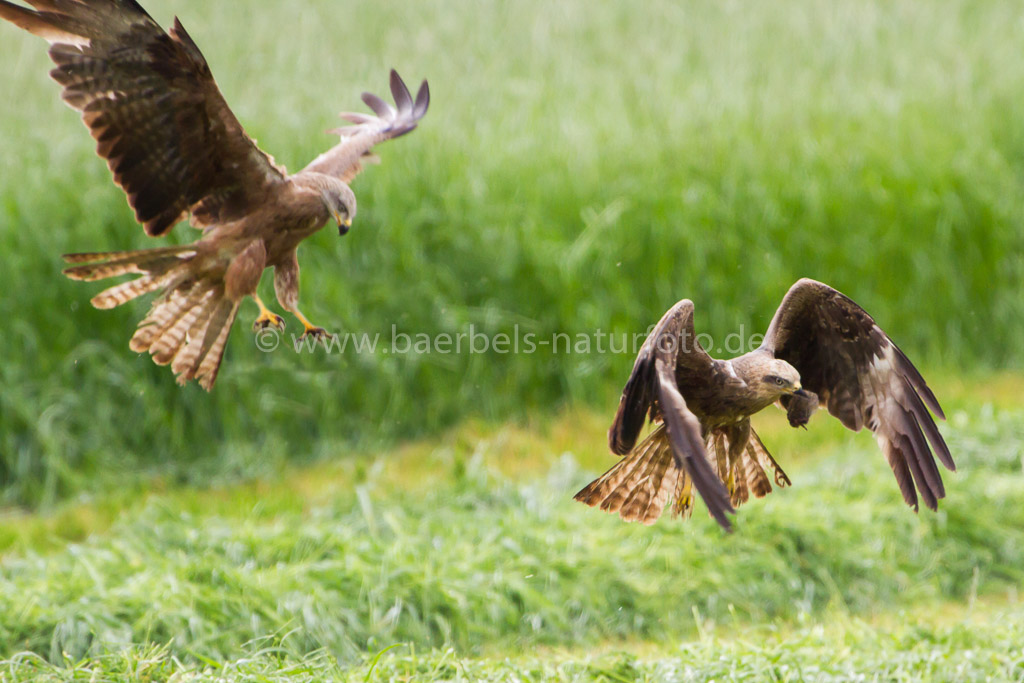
{"type": "Point", "coordinates": [717, 445]}
{"type": "Point", "coordinates": [756, 478]}
{"type": "Point", "coordinates": [126, 291]}
{"type": "Point", "coordinates": [219, 331]}
{"type": "Point", "coordinates": [159, 269]}
{"type": "Point", "coordinates": [188, 330]}
{"type": "Point", "coordinates": [163, 316]}
{"type": "Point", "coordinates": [628, 474]}
{"type": "Point", "coordinates": [649, 496]}
{"type": "Point", "coordinates": [188, 325]}
{"type": "Point", "coordinates": [639, 485]}
{"type": "Point", "coordinates": [96, 256]}
{"type": "Point", "coordinates": [101, 265]}
{"type": "Point", "coordinates": [746, 475]}
{"type": "Point", "coordinates": [740, 492]}
{"type": "Point", "coordinates": [166, 341]}
{"type": "Point", "coordinates": [189, 355]}
{"type": "Point", "coordinates": [766, 460]}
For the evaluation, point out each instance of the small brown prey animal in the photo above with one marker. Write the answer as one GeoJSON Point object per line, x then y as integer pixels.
{"type": "Point", "coordinates": [176, 149]}
{"type": "Point", "coordinates": [820, 346]}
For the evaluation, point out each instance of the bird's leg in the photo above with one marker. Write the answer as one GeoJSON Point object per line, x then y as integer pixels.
{"type": "Point", "coordinates": [267, 318]}
{"type": "Point", "coordinates": [311, 330]}
{"type": "Point", "coordinates": [286, 284]}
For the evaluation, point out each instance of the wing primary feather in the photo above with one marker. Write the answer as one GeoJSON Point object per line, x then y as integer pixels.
{"type": "Point", "coordinates": [912, 375]}
{"type": "Point", "coordinates": [51, 27]}
{"type": "Point", "coordinates": [352, 117]}
{"type": "Point", "coordinates": [898, 463]}
{"type": "Point", "coordinates": [923, 455]}
{"type": "Point", "coordinates": [931, 430]}
{"type": "Point", "coordinates": [904, 445]}
{"type": "Point", "coordinates": [632, 411]}
{"type": "Point", "coordinates": [422, 101]}
{"type": "Point", "coordinates": [403, 98]}
{"type": "Point", "coordinates": [379, 106]}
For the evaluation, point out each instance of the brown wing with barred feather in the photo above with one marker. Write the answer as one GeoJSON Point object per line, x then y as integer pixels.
{"type": "Point", "coordinates": [150, 100]}
{"type": "Point", "coordinates": [863, 378]}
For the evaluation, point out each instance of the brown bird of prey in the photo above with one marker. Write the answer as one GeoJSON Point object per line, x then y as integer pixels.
{"type": "Point", "coordinates": [820, 346]}
{"type": "Point", "coordinates": [175, 148]}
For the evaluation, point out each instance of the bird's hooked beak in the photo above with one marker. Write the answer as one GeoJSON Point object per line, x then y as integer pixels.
{"type": "Point", "coordinates": [799, 391]}
{"type": "Point", "coordinates": [343, 224]}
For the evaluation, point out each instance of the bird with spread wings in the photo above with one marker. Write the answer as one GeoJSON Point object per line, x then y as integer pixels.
{"type": "Point", "coordinates": [820, 348]}
{"type": "Point", "coordinates": [173, 145]}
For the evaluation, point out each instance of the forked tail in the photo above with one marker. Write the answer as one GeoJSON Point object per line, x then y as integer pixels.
{"type": "Point", "coordinates": [639, 486]}
{"type": "Point", "coordinates": [188, 324]}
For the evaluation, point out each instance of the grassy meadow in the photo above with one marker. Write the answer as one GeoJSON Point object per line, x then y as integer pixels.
{"type": "Point", "coordinates": [582, 167]}
{"type": "Point", "coordinates": [462, 557]}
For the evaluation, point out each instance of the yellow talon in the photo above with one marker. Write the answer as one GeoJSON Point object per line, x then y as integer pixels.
{"type": "Point", "coordinates": [311, 330]}
{"type": "Point", "coordinates": [267, 318]}
{"type": "Point", "coordinates": [317, 333]}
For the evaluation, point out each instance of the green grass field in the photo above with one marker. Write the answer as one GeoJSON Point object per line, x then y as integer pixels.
{"type": "Point", "coordinates": [583, 166]}
{"type": "Point", "coordinates": [466, 554]}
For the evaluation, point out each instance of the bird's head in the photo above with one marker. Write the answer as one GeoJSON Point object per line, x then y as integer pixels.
{"type": "Point", "coordinates": [781, 378]}
{"type": "Point", "coordinates": [341, 205]}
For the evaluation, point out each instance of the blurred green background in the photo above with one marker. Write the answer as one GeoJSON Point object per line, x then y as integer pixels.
{"type": "Point", "coordinates": [582, 167]}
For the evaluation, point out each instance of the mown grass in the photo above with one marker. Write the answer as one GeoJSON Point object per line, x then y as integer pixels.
{"type": "Point", "coordinates": [582, 167]}
{"type": "Point", "coordinates": [464, 547]}
{"type": "Point", "coordinates": [981, 643]}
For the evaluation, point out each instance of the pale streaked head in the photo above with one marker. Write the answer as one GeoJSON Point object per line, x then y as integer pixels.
{"type": "Point", "coordinates": [341, 204]}
{"type": "Point", "coordinates": [782, 377]}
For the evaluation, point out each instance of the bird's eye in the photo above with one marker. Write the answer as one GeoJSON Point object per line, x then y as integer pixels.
{"type": "Point", "coordinates": [780, 381]}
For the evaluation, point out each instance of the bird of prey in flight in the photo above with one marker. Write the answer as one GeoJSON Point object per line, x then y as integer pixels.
{"type": "Point", "coordinates": [820, 347]}
{"type": "Point", "coordinates": [176, 149]}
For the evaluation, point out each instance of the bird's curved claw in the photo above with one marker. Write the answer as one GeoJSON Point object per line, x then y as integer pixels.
{"type": "Point", "coordinates": [268, 319]}
{"type": "Point", "coordinates": [317, 333]}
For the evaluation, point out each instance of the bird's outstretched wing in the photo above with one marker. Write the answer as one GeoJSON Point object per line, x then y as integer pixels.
{"type": "Point", "coordinates": [345, 160]}
{"type": "Point", "coordinates": [863, 378]}
{"type": "Point", "coordinates": [675, 336]}
{"type": "Point", "coordinates": [688, 445]}
{"type": "Point", "coordinates": [149, 99]}
{"type": "Point", "coordinates": [671, 346]}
